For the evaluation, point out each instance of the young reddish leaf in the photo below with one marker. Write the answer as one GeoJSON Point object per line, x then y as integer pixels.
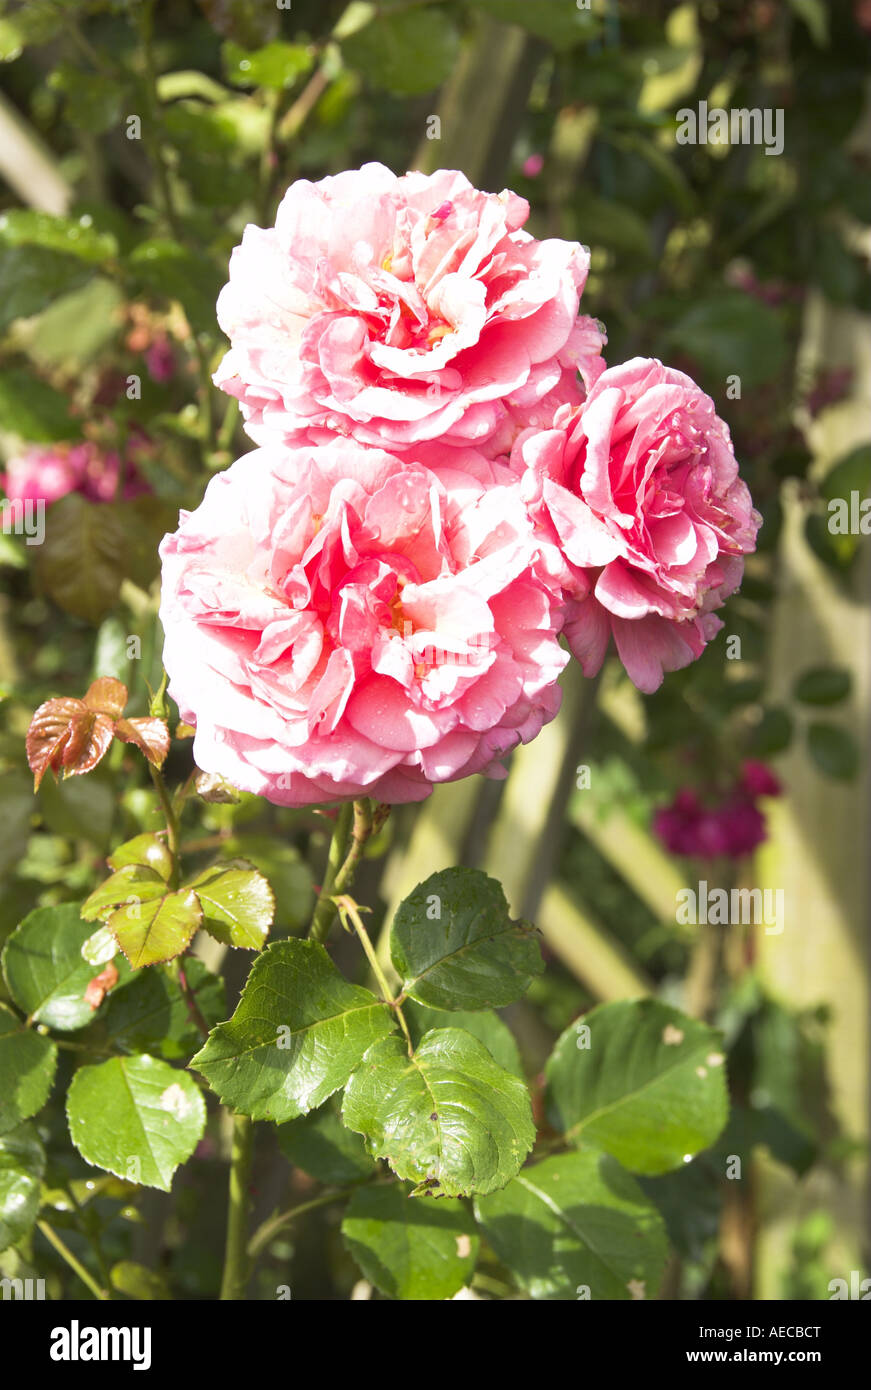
{"type": "Point", "coordinates": [99, 987]}
{"type": "Point", "coordinates": [151, 737]}
{"type": "Point", "coordinates": [107, 696]}
{"type": "Point", "coordinates": [64, 733]}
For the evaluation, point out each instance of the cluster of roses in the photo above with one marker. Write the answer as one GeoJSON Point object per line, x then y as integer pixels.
{"type": "Point", "coordinates": [47, 472]}
{"type": "Point", "coordinates": [448, 479]}
{"type": "Point", "coordinates": [731, 825]}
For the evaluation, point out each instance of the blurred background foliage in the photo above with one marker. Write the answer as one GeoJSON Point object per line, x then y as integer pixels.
{"type": "Point", "coordinates": [136, 142]}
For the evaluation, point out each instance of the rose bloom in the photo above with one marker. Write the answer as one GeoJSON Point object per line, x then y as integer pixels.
{"type": "Point", "coordinates": [398, 310]}
{"type": "Point", "coordinates": [642, 518]}
{"type": "Point", "coordinates": [338, 625]}
{"type": "Point", "coordinates": [47, 472]}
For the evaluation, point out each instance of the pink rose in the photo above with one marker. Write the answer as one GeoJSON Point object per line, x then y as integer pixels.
{"type": "Point", "coordinates": [397, 310]}
{"type": "Point", "coordinates": [642, 518]}
{"type": "Point", "coordinates": [42, 474]}
{"type": "Point", "coordinates": [47, 472]}
{"type": "Point", "coordinates": [342, 624]}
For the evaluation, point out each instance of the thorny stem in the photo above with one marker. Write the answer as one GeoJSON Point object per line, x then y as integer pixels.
{"type": "Point", "coordinates": [236, 1264]}
{"type": "Point", "coordinates": [348, 910]}
{"type": "Point", "coordinates": [75, 1265]}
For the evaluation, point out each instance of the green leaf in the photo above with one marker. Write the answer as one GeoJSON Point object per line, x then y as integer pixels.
{"type": "Point", "coordinates": [834, 750]}
{"type": "Point", "coordinates": [22, 1163]}
{"type": "Point", "coordinates": [75, 328]}
{"type": "Point", "coordinates": [408, 52]}
{"type": "Point", "coordinates": [483, 1024]}
{"type": "Point", "coordinates": [323, 1147]}
{"type": "Point", "coordinates": [137, 1117]}
{"type": "Point", "coordinates": [771, 734]}
{"type": "Point", "coordinates": [411, 1248]}
{"type": "Point", "coordinates": [237, 903]}
{"type": "Point", "coordinates": [850, 473]}
{"type": "Point", "coordinates": [81, 562]}
{"type": "Point", "coordinates": [33, 410]}
{"type": "Point", "coordinates": [150, 1014]}
{"type": "Point", "coordinates": [576, 1226]}
{"type": "Point", "coordinates": [100, 947]}
{"type": "Point", "coordinates": [169, 271]}
{"type": "Point", "coordinates": [690, 1201]}
{"type": "Point", "coordinates": [642, 1081]}
{"type": "Point", "coordinates": [77, 236]}
{"type": "Point", "coordinates": [148, 851]}
{"type": "Point", "coordinates": [560, 22]}
{"type": "Point", "coordinates": [823, 685]}
{"type": "Point", "coordinates": [27, 1066]}
{"type": "Point", "coordinates": [286, 871]}
{"type": "Point", "coordinates": [138, 1282]}
{"type": "Point", "coordinates": [93, 102]}
{"type": "Point", "coordinates": [149, 932]}
{"type": "Point", "coordinates": [448, 1118]}
{"type": "Point", "coordinates": [31, 277]}
{"type": "Point", "coordinates": [277, 65]}
{"type": "Point", "coordinates": [454, 945]}
{"type": "Point", "coordinates": [298, 1032]}
{"type": "Point", "coordinates": [133, 883]}
{"type": "Point", "coordinates": [729, 332]}
{"type": "Point", "coordinates": [44, 968]}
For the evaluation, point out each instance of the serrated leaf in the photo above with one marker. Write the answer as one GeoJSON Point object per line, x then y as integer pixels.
{"type": "Point", "coordinates": [237, 902]}
{"type": "Point", "coordinates": [149, 735]}
{"type": "Point", "coordinates": [27, 1066]}
{"type": "Point", "coordinates": [576, 1222]}
{"type": "Point", "coordinates": [159, 930]}
{"type": "Point", "coordinates": [286, 871]}
{"type": "Point", "coordinates": [411, 1249]}
{"type": "Point", "coordinates": [137, 1117]}
{"type": "Point", "coordinates": [323, 1147]}
{"type": "Point", "coordinates": [150, 1013]}
{"type": "Point", "coordinates": [483, 1024]}
{"type": "Point", "coordinates": [471, 955]}
{"type": "Point", "coordinates": [448, 1118]}
{"type": "Point", "coordinates": [65, 735]}
{"type": "Point", "coordinates": [646, 1084]}
{"type": "Point", "coordinates": [22, 1163]}
{"type": "Point", "coordinates": [297, 1034]}
{"type": "Point", "coordinates": [133, 883]}
{"type": "Point", "coordinates": [44, 968]}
